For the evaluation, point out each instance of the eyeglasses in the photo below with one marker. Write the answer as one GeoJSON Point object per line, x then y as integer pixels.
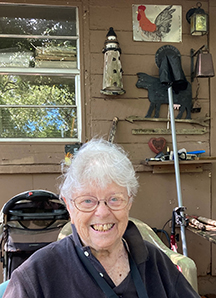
{"type": "Point", "coordinates": [89, 203]}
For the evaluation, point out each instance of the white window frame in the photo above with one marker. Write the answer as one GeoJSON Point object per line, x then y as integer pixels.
{"type": "Point", "coordinates": [74, 73]}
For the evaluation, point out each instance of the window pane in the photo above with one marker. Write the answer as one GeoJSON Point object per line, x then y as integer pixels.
{"type": "Point", "coordinates": [33, 105]}
{"type": "Point", "coordinates": [54, 112]}
{"type": "Point", "coordinates": [30, 52]}
{"type": "Point", "coordinates": [38, 123]}
{"type": "Point", "coordinates": [38, 20]}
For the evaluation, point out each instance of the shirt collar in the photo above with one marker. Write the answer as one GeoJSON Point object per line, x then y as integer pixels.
{"type": "Point", "coordinates": [135, 243]}
{"type": "Point", "coordinates": [76, 236]}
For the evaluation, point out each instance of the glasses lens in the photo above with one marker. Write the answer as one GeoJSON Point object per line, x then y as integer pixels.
{"type": "Point", "coordinates": [86, 203]}
{"type": "Point", "coordinates": [89, 203]}
{"type": "Point", "coordinates": [117, 202]}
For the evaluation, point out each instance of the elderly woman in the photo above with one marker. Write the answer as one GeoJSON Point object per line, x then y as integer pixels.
{"type": "Point", "coordinates": [105, 256]}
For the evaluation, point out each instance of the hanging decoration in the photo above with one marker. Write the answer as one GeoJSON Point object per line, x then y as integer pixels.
{"type": "Point", "coordinates": [112, 74]}
{"type": "Point", "coordinates": [157, 144]}
{"type": "Point", "coordinates": [159, 23]}
{"type": "Point", "coordinates": [157, 95]}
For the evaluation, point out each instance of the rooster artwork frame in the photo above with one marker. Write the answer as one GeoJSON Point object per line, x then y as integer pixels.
{"type": "Point", "coordinates": [157, 23]}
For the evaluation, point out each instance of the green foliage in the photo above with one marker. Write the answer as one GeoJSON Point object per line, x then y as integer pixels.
{"type": "Point", "coordinates": [42, 121]}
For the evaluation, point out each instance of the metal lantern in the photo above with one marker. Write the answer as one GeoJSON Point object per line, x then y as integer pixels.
{"type": "Point", "coordinates": [198, 20]}
{"type": "Point", "coordinates": [112, 74]}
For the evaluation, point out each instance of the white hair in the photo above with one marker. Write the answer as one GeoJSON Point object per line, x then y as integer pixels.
{"type": "Point", "coordinates": [99, 162]}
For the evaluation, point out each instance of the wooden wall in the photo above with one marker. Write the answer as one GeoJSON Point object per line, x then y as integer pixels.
{"type": "Point", "coordinates": [32, 166]}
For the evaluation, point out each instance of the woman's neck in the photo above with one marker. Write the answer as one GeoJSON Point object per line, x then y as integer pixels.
{"type": "Point", "coordinates": [115, 263]}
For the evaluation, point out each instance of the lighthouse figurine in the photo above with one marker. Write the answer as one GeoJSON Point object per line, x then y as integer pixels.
{"type": "Point", "coordinates": [112, 74]}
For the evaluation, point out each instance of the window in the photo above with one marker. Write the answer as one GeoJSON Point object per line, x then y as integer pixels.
{"type": "Point", "coordinates": [39, 73]}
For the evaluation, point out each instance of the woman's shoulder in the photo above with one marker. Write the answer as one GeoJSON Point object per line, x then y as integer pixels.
{"type": "Point", "coordinates": [50, 254]}
{"type": "Point", "coordinates": [156, 253]}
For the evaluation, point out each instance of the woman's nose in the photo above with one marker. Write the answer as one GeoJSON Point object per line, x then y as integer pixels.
{"type": "Point", "coordinates": [102, 208]}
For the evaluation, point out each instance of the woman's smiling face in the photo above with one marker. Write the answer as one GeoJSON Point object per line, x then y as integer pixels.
{"type": "Point", "coordinates": [102, 228]}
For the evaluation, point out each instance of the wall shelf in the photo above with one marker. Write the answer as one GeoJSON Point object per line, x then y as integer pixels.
{"type": "Point", "coordinates": [163, 167]}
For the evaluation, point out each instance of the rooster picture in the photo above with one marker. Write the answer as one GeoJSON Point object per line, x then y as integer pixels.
{"type": "Point", "coordinates": [156, 30]}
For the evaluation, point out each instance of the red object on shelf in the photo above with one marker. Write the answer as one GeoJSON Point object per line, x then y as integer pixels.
{"type": "Point", "coordinates": [157, 144]}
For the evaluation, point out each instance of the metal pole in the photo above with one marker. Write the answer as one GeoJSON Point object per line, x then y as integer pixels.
{"type": "Point", "coordinates": [176, 164]}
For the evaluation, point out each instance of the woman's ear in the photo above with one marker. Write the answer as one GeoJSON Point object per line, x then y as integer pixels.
{"type": "Point", "coordinates": [129, 206]}
{"type": "Point", "coordinates": [65, 201]}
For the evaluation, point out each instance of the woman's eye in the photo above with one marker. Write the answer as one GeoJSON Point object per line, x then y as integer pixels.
{"type": "Point", "coordinates": [87, 201]}
{"type": "Point", "coordinates": [114, 199]}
